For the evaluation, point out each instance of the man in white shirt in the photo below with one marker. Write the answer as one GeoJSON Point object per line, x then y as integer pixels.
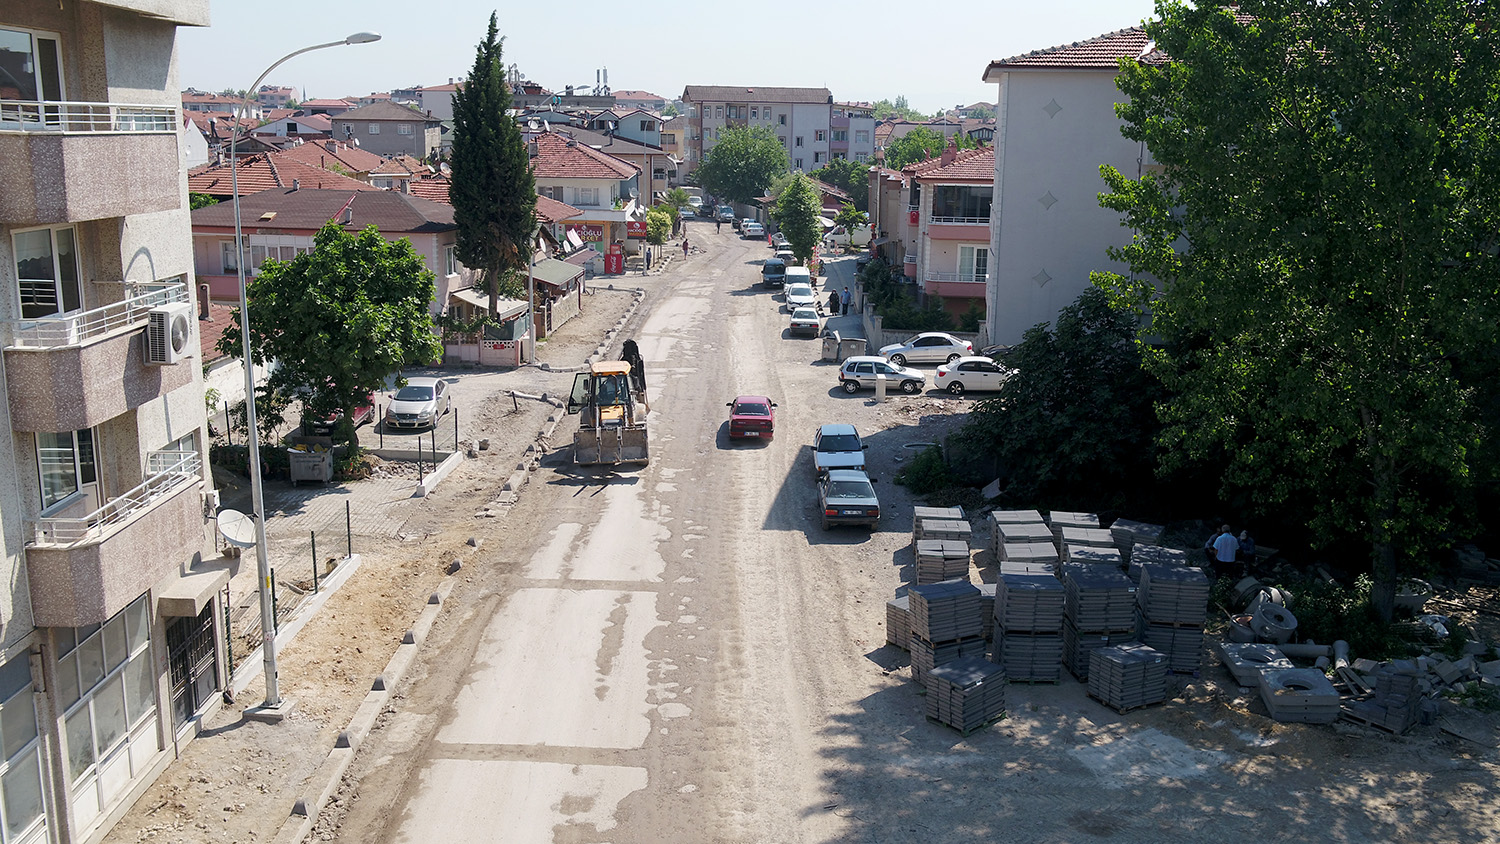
{"type": "Point", "coordinates": [1225, 547]}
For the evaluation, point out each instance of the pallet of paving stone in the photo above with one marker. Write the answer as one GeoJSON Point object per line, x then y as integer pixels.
{"type": "Point", "coordinates": [1245, 661]}
{"type": "Point", "coordinates": [1394, 706]}
{"type": "Point", "coordinates": [1028, 656]}
{"type": "Point", "coordinates": [1040, 569]}
{"type": "Point", "coordinates": [1016, 517]}
{"type": "Point", "coordinates": [955, 529]}
{"type": "Point", "coordinates": [1077, 645]}
{"type": "Point", "coordinates": [1029, 602]}
{"type": "Point", "coordinates": [1128, 533]}
{"type": "Point", "coordinates": [1059, 520]}
{"type": "Point", "coordinates": [987, 608]}
{"type": "Point", "coordinates": [941, 559]}
{"type": "Point", "coordinates": [1027, 552]}
{"type": "Point", "coordinates": [942, 612]}
{"type": "Point", "coordinates": [1022, 532]}
{"type": "Point", "coordinates": [1173, 594]}
{"type": "Point", "coordinates": [949, 513]}
{"type": "Point", "coordinates": [927, 655]}
{"type": "Point", "coordinates": [1182, 645]}
{"type": "Point", "coordinates": [1108, 557]}
{"type": "Point", "coordinates": [1098, 597]}
{"type": "Point", "coordinates": [1147, 554]}
{"type": "Point", "coordinates": [1094, 537]}
{"type": "Point", "coordinates": [1127, 676]}
{"type": "Point", "coordinates": [1299, 696]}
{"type": "Point", "coordinates": [966, 694]}
{"type": "Point", "coordinates": [1370, 714]}
{"type": "Point", "coordinates": [898, 622]}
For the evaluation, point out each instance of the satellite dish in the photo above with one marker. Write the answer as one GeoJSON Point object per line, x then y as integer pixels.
{"type": "Point", "coordinates": [237, 528]}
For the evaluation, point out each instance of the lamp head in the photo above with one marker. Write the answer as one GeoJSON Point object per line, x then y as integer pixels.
{"type": "Point", "coordinates": [362, 38]}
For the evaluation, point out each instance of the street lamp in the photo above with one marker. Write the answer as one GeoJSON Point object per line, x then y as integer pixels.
{"type": "Point", "coordinates": [272, 708]}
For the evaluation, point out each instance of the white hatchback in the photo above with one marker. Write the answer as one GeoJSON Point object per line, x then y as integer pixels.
{"type": "Point", "coordinates": [800, 296]}
{"type": "Point", "coordinates": [970, 373]}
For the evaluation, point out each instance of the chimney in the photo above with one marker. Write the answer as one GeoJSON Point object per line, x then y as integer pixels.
{"type": "Point", "coordinates": [203, 302]}
{"type": "Point", "coordinates": [349, 214]}
{"type": "Point", "coordinates": [949, 153]}
{"type": "Point", "coordinates": [296, 184]}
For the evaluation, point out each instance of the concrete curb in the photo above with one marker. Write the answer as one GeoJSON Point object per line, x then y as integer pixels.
{"type": "Point", "coordinates": [325, 780]}
{"type": "Point", "coordinates": [435, 477]}
{"type": "Point", "coordinates": [250, 667]}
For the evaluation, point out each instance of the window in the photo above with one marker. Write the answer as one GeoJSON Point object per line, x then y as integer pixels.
{"type": "Point", "coordinates": [860, 157]}
{"type": "Point", "coordinates": [647, 126]}
{"type": "Point", "coordinates": [227, 253]}
{"type": "Point", "coordinates": [403, 128]}
{"type": "Point", "coordinates": [47, 271]}
{"type": "Point", "coordinates": [962, 202]}
{"type": "Point", "coordinates": [668, 139]}
{"type": "Point", "coordinates": [585, 196]}
{"type": "Point", "coordinates": [33, 68]}
{"type": "Point", "coordinates": [20, 768]}
{"type": "Point", "coordinates": [799, 140]}
{"type": "Point", "coordinates": [817, 158]}
{"type": "Point", "coordinates": [820, 136]}
{"type": "Point", "coordinates": [65, 464]}
{"type": "Point", "coordinates": [374, 128]}
{"type": "Point", "coordinates": [754, 112]}
{"type": "Point", "coordinates": [718, 111]}
{"type": "Point", "coordinates": [692, 111]}
{"type": "Point", "coordinates": [973, 263]}
{"type": "Point", "coordinates": [799, 164]}
{"type": "Point", "coordinates": [840, 135]}
{"type": "Point", "coordinates": [450, 260]}
{"type": "Point", "coordinates": [861, 136]}
{"type": "Point", "coordinates": [659, 173]}
{"type": "Point", "coordinates": [291, 128]}
{"type": "Point", "coordinates": [781, 119]}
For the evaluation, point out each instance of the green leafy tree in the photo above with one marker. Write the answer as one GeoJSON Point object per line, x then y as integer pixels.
{"type": "Point", "coordinates": [659, 224]}
{"type": "Point", "coordinates": [200, 200]}
{"type": "Point", "coordinates": [492, 187]}
{"type": "Point", "coordinates": [339, 320]}
{"type": "Point", "coordinates": [797, 213]}
{"type": "Point", "coordinates": [677, 198]}
{"type": "Point", "coordinates": [852, 176]}
{"type": "Point", "coordinates": [1321, 238]}
{"type": "Point", "coordinates": [1074, 421]}
{"type": "Point", "coordinates": [670, 111]}
{"type": "Point", "coordinates": [920, 144]}
{"type": "Point", "coordinates": [849, 217]}
{"type": "Point", "coordinates": [742, 163]}
{"type": "Point", "coordinates": [898, 109]}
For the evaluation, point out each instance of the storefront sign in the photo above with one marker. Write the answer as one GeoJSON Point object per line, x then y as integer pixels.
{"type": "Point", "coordinates": [588, 232]}
{"type": "Point", "coordinates": [635, 229]}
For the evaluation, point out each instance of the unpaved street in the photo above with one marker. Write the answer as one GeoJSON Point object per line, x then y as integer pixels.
{"type": "Point", "coordinates": [679, 653]}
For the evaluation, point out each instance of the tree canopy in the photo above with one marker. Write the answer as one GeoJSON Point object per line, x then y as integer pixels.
{"type": "Point", "coordinates": [852, 176]}
{"type": "Point", "coordinates": [742, 163]}
{"type": "Point", "coordinates": [797, 212]}
{"type": "Point", "coordinates": [1317, 255]}
{"type": "Point", "coordinates": [898, 108]}
{"type": "Point", "coordinates": [921, 144]}
{"type": "Point", "coordinates": [492, 187]}
{"type": "Point", "coordinates": [339, 320]}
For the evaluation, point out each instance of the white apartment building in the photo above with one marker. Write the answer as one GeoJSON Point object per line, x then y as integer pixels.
{"type": "Point", "coordinates": [801, 118]}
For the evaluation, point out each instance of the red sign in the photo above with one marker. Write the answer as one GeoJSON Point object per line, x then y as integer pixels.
{"type": "Point", "coordinates": [614, 264]}
{"type": "Point", "coordinates": [588, 232]}
{"type": "Point", "coordinates": [635, 229]}
{"type": "Point", "coordinates": [913, 218]}
{"type": "Point", "coordinates": [616, 249]}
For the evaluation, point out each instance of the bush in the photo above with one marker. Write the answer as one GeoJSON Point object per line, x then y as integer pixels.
{"type": "Point", "coordinates": [1327, 612]}
{"type": "Point", "coordinates": [928, 473]}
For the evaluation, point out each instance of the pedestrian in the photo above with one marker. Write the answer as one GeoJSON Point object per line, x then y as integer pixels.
{"type": "Point", "coordinates": [844, 302]}
{"type": "Point", "coordinates": [1224, 546]}
{"type": "Point", "coordinates": [684, 247]}
{"type": "Point", "coordinates": [833, 302]}
{"type": "Point", "coordinates": [1247, 547]}
{"type": "Point", "coordinates": [718, 224]}
{"type": "Point", "coordinates": [648, 259]}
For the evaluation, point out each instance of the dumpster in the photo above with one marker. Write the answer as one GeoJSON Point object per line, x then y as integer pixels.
{"type": "Point", "coordinates": [831, 345]}
{"type": "Point", "coordinates": [310, 466]}
{"type": "Point", "coordinates": [851, 347]}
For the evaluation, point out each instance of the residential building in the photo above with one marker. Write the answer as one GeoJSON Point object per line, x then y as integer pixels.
{"type": "Point", "coordinates": [308, 127]}
{"type": "Point", "coordinates": [673, 132]}
{"type": "Point", "coordinates": [219, 103]}
{"type": "Point", "coordinates": [329, 107]}
{"type": "Point", "coordinates": [641, 100]}
{"type": "Point", "coordinates": [111, 643]}
{"type": "Point", "coordinates": [389, 129]}
{"type": "Point", "coordinates": [596, 183]}
{"type": "Point", "coordinates": [335, 156]}
{"type": "Point", "coordinates": [852, 132]}
{"type": "Point", "coordinates": [640, 126]}
{"type": "Point", "coordinates": [952, 196]}
{"type": "Point", "coordinates": [800, 118]}
{"type": "Point", "coordinates": [531, 95]}
{"type": "Point", "coordinates": [437, 100]}
{"type": "Point", "coordinates": [1056, 124]}
{"type": "Point", "coordinates": [370, 99]}
{"type": "Point", "coordinates": [264, 171]}
{"type": "Point", "coordinates": [275, 96]}
{"type": "Point", "coordinates": [652, 160]}
{"type": "Point", "coordinates": [193, 144]}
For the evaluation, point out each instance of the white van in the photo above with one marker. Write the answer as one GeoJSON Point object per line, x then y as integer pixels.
{"type": "Point", "coordinates": [798, 275]}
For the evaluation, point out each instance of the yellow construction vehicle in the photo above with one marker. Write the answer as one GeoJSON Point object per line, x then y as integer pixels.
{"type": "Point", "coordinates": [611, 416]}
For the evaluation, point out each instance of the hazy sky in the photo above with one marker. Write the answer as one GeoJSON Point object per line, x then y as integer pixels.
{"type": "Point", "coordinates": [934, 54]}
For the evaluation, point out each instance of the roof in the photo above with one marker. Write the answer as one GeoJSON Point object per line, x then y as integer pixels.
{"type": "Point", "coordinates": [385, 111]}
{"type": "Point", "coordinates": [392, 212]}
{"type": "Point", "coordinates": [608, 143]}
{"type": "Point", "coordinates": [315, 122]}
{"type": "Point", "coordinates": [832, 190]}
{"type": "Point", "coordinates": [551, 211]}
{"type": "Point", "coordinates": [637, 95]}
{"type": "Point", "coordinates": [507, 308]}
{"type": "Point", "coordinates": [968, 165]}
{"type": "Point", "coordinates": [402, 165]}
{"type": "Point", "coordinates": [200, 97]}
{"type": "Point", "coordinates": [1100, 53]}
{"type": "Point", "coordinates": [735, 94]}
{"type": "Point", "coordinates": [211, 329]}
{"type": "Point", "coordinates": [326, 103]}
{"type": "Point", "coordinates": [558, 157]}
{"type": "Point", "coordinates": [451, 86]}
{"type": "Point", "coordinates": [435, 189]}
{"type": "Point", "coordinates": [331, 154]}
{"type": "Point", "coordinates": [554, 272]}
{"type": "Point", "coordinates": [267, 170]}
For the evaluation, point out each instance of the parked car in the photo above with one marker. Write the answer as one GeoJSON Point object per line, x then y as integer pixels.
{"type": "Point", "coordinates": [773, 272]}
{"type": "Point", "coordinates": [696, 202]}
{"type": "Point", "coordinates": [970, 373]}
{"type": "Point", "coordinates": [421, 403]}
{"type": "Point", "coordinates": [928, 347]}
{"type": "Point", "coordinates": [778, 240]}
{"type": "Point", "coordinates": [752, 417]}
{"type": "Point", "coordinates": [798, 275]}
{"type": "Point", "coordinates": [785, 254]}
{"type": "Point", "coordinates": [847, 497]}
{"type": "Point", "coordinates": [725, 214]}
{"type": "Point", "coordinates": [837, 446]}
{"type": "Point", "coordinates": [841, 236]}
{"type": "Point", "coordinates": [806, 321]}
{"type": "Point", "coordinates": [687, 212]}
{"type": "Point", "coordinates": [799, 295]}
{"type": "Point", "coordinates": [861, 371]}
{"type": "Point", "coordinates": [752, 229]}
{"type": "Point", "coordinates": [362, 413]}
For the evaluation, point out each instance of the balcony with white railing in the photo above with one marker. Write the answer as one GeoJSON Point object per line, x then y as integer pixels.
{"type": "Point", "coordinates": [69, 161]}
{"type": "Point", "coordinates": [955, 285]}
{"type": "Point", "coordinates": [84, 568]}
{"type": "Point", "coordinates": [73, 371]}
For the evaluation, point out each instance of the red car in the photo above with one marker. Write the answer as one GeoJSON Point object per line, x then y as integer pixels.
{"type": "Point", "coordinates": [752, 417]}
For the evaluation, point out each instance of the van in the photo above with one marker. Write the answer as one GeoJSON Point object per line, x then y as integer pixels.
{"type": "Point", "coordinates": [725, 214]}
{"type": "Point", "coordinates": [773, 272]}
{"type": "Point", "coordinates": [798, 275]}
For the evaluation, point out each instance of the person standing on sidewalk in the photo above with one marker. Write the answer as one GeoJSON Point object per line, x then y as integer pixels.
{"type": "Point", "coordinates": [718, 225]}
{"type": "Point", "coordinates": [844, 302]}
{"type": "Point", "coordinates": [684, 247]}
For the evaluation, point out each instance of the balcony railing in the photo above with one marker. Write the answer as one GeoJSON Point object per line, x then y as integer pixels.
{"type": "Point", "coordinates": [168, 472]}
{"type": "Point", "coordinates": [73, 329]}
{"type": "Point", "coordinates": [962, 220]}
{"type": "Point", "coordinates": [911, 258]}
{"type": "Point", "coordinates": [977, 278]}
{"type": "Point", "coordinates": [911, 208]}
{"type": "Point", "coordinates": [76, 117]}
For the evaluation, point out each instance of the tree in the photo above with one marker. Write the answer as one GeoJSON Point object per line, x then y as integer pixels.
{"type": "Point", "coordinates": [659, 224]}
{"type": "Point", "coordinates": [1321, 238]}
{"type": "Point", "coordinates": [338, 320]}
{"type": "Point", "coordinates": [1074, 421]}
{"type": "Point", "coordinates": [851, 176]}
{"type": "Point", "coordinates": [677, 198]}
{"type": "Point", "coordinates": [670, 111]}
{"type": "Point", "coordinates": [850, 217]}
{"type": "Point", "coordinates": [492, 187]}
{"type": "Point", "coordinates": [797, 212]}
{"type": "Point", "coordinates": [898, 109]}
{"type": "Point", "coordinates": [921, 144]}
{"type": "Point", "coordinates": [742, 163]}
{"type": "Point", "coordinates": [200, 200]}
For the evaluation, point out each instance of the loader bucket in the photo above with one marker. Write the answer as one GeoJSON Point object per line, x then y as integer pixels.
{"type": "Point", "coordinates": [635, 447]}
{"type": "Point", "coordinates": [586, 447]}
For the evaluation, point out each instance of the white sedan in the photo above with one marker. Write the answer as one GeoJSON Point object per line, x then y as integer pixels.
{"type": "Point", "coordinates": [929, 347]}
{"type": "Point", "coordinates": [800, 296]}
{"type": "Point", "coordinates": [970, 373]}
{"type": "Point", "coordinates": [806, 321]}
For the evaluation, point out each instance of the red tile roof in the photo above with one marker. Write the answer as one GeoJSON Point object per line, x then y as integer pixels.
{"type": "Point", "coordinates": [402, 165]}
{"type": "Point", "coordinates": [264, 171]}
{"type": "Point", "coordinates": [1101, 53]}
{"type": "Point", "coordinates": [330, 155]}
{"type": "Point", "coordinates": [970, 165]}
{"type": "Point", "coordinates": [551, 211]}
{"type": "Point", "coordinates": [559, 158]}
{"type": "Point", "coordinates": [211, 329]}
{"type": "Point", "coordinates": [392, 212]}
{"type": "Point", "coordinates": [735, 94]}
{"type": "Point", "coordinates": [434, 189]}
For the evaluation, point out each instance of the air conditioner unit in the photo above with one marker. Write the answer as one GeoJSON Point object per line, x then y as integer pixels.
{"type": "Point", "coordinates": [169, 333]}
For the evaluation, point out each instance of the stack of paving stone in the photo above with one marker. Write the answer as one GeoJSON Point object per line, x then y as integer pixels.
{"type": "Point", "coordinates": [1017, 567]}
{"type": "Point", "coordinates": [1021, 538]}
{"type": "Point", "coordinates": [1107, 557]}
{"type": "Point", "coordinates": [941, 559]}
{"type": "Point", "coordinates": [1129, 533]}
{"type": "Point", "coordinates": [1396, 705]}
{"type": "Point", "coordinates": [945, 625]}
{"type": "Point", "coordinates": [956, 530]}
{"type": "Point", "coordinates": [1028, 626]}
{"type": "Point", "coordinates": [966, 694]}
{"type": "Point", "coordinates": [1098, 611]}
{"type": "Point", "coordinates": [1141, 555]}
{"type": "Point", "coordinates": [1015, 517]}
{"type": "Point", "coordinates": [1094, 537]}
{"type": "Point", "coordinates": [898, 622]}
{"type": "Point", "coordinates": [1059, 519]}
{"type": "Point", "coordinates": [987, 609]}
{"type": "Point", "coordinates": [1127, 676]}
{"type": "Point", "coordinates": [920, 514]}
{"type": "Point", "coordinates": [1172, 605]}
{"type": "Point", "coordinates": [1299, 695]}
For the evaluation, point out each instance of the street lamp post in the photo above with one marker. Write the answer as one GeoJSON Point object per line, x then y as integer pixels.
{"type": "Point", "coordinates": [273, 708]}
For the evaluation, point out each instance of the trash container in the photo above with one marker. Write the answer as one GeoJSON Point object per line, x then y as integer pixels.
{"type": "Point", "coordinates": [831, 345]}
{"type": "Point", "coordinates": [310, 466]}
{"type": "Point", "coordinates": [851, 347]}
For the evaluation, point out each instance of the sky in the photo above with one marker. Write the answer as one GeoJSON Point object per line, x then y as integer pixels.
{"type": "Point", "coordinates": [935, 56]}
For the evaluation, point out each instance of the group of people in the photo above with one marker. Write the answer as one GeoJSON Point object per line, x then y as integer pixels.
{"type": "Point", "coordinates": [1224, 549]}
{"type": "Point", "coordinates": [838, 303]}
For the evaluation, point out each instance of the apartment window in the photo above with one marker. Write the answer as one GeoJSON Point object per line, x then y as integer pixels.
{"type": "Point", "coordinates": [692, 111]}
{"type": "Point", "coordinates": [229, 256]}
{"type": "Point", "coordinates": [450, 260]}
{"type": "Point", "coordinates": [291, 128]}
{"type": "Point", "coordinates": [374, 128]}
{"type": "Point", "coordinates": [817, 157]}
{"type": "Point", "coordinates": [66, 464]}
{"type": "Point", "coordinates": [550, 191]}
{"type": "Point", "coordinates": [21, 805]}
{"type": "Point", "coordinates": [781, 119]}
{"type": "Point", "coordinates": [47, 271]}
{"type": "Point", "coordinates": [861, 136]}
{"type": "Point", "coordinates": [647, 126]}
{"type": "Point", "coordinates": [820, 136]}
{"type": "Point", "coordinates": [403, 128]}
{"type": "Point", "coordinates": [659, 173]}
{"type": "Point", "coordinates": [754, 112]}
{"type": "Point", "coordinates": [840, 135]}
{"type": "Point", "coordinates": [860, 157]}
{"type": "Point", "coordinates": [973, 263]}
{"type": "Point", "coordinates": [799, 140]}
{"type": "Point", "coordinates": [33, 69]}
{"type": "Point", "coordinates": [799, 164]}
{"type": "Point", "coordinates": [669, 139]}
{"type": "Point", "coordinates": [718, 111]}
{"type": "Point", "coordinates": [585, 196]}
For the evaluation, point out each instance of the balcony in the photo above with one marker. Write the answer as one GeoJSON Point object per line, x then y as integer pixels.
{"type": "Point", "coordinates": [63, 162]}
{"type": "Point", "coordinates": [959, 228]}
{"type": "Point", "coordinates": [83, 569]}
{"type": "Point", "coordinates": [65, 373]}
{"type": "Point", "coordinates": [955, 285]}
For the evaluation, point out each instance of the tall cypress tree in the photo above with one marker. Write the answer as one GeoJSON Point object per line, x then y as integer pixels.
{"type": "Point", "coordinates": [492, 190]}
